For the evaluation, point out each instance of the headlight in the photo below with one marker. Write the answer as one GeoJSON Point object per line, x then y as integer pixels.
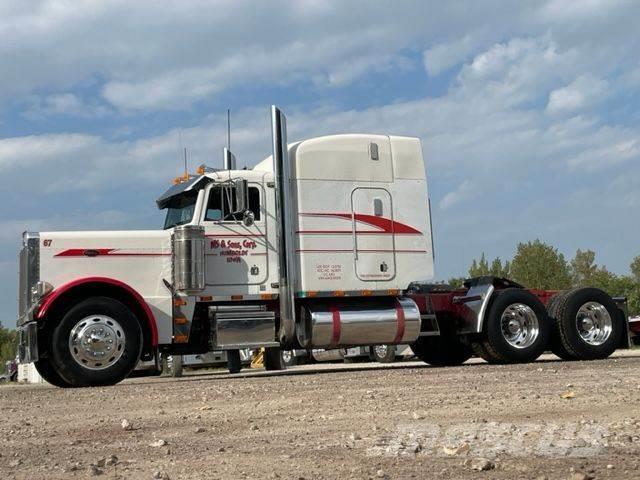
{"type": "Point", "coordinates": [41, 289]}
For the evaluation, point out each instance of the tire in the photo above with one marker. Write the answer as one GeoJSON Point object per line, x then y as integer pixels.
{"type": "Point", "coordinates": [288, 358]}
{"type": "Point", "coordinates": [383, 353]}
{"type": "Point", "coordinates": [444, 350]}
{"type": "Point", "coordinates": [273, 359]}
{"type": "Point", "coordinates": [97, 342]}
{"type": "Point", "coordinates": [46, 371]}
{"type": "Point", "coordinates": [175, 367]}
{"type": "Point", "coordinates": [589, 324]}
{"type": "Point", "coordinates": [234, 364]}
{"type": "Point", "coordinates": [480, 351]}
{"type": "Point", "coordinates": [516, 329]}
{"type": "Point", "coordinates": [557, 348]}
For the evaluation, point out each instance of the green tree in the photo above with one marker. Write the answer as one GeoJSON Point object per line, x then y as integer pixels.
{"type": "Point", "coordinates": [583, 268]}
{"type": "Point", "coordinates": [479, 268]}
{"type": "Point", "coordinates": [538, 265]}
{"type": "Point", "coordinates": [456, 282]}
{"type": "Point", "coordinates": [8, 344]}
{"type": "Point", "coordinates": [635, 268]}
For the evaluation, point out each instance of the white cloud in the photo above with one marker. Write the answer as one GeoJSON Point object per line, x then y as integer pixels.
{"type": "Point", "coordinates": [67, 104]}
{"type": "Point", "coordinates": [584, 91]}
{"type": "Point", "coordinates": [464, 192]}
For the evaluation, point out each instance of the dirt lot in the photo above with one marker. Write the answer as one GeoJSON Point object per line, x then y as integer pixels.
{"type": "Point", "coordinates": [362, 421]}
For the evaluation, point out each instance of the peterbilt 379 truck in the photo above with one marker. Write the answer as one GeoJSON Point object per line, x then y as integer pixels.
{"type": "Point", "coordinates": [325, 244]}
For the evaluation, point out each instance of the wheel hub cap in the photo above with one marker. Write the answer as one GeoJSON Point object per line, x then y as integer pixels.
{"type": "Point", "coordinates": [594, 323]}
{"type": "Point", "coordinates": [520, 325]}
{"type": "Point", "coordinates": [381, 350]}
{"type": "Point", "coordinates": [96, 342]}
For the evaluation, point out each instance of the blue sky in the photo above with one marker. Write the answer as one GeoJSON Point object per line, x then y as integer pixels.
{"type": "Point", "coordinates": [528, 111]}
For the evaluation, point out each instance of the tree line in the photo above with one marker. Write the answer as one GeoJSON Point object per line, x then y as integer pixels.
{"type": "Point", "coordinates": [539, 265]}
{"type": "Point", "coordinates": [8, 345]}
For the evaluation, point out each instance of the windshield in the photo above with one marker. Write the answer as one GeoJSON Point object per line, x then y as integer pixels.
{"type": "Point", "coordinates": [180, 209]}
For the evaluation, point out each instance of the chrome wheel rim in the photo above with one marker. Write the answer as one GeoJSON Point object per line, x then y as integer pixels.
{"type": "Point", "coordinates": [594, 323]}
{"type": "Point", "coordinates": [286, 356]}
{"type": "Point", "coordinates": [519, 325]}
{"type": "Point", "coordinates": [381, 350]}
{"type": "Point", "coordinates": [96, 342]}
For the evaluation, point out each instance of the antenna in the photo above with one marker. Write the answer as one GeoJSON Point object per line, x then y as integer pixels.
{"type": "Point", "coordinates": [186, 171]}
{"type": "Point", "coordinates": [228, 129]}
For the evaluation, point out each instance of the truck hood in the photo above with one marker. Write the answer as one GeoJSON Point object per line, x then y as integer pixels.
{"type": "Point", "coordinates": [141, 259]}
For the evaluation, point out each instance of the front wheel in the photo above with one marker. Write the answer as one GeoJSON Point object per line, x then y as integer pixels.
{"type": "Point", "coordinates": [516, 328]}
{"type": "Point", "coordinates": [97, 342]}
{"type": "Point", "coordinates": [48, 373]}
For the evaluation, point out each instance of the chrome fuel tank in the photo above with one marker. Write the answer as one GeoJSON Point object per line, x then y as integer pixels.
{"type": "Point", "coordinates": [375, 322]}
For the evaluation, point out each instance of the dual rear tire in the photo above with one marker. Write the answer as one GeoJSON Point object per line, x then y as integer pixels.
{"type": "Point", "coordinates": [516, 328]}
{"type": "Point", "coordinates": [579, 324]}
{"type": "Point", "coordinates": [587, 324]}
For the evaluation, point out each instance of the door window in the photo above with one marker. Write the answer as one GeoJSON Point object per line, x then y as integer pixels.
{"type": "Point", "coordinates": [222, 204]}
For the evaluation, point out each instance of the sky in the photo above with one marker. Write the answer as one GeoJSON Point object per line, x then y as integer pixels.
{"type": "Point", "coordinates": [529, 111]}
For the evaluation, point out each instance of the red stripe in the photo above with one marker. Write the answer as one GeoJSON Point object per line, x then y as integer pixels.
{"type": "Point", "coordinates": [384, 224]}
{"type": "Point", "coordinates": [359, 251]}
{"type": "Point", "coordinates": [106, 252]}
{"type": "Point", "coordinates": [236, 235]}
{"type": "Point", "coordinates": [335, 335]}
{"type": "Point", "coordinates": [350, 232]}
{"type": "Point", "coordinates": [401, 323]}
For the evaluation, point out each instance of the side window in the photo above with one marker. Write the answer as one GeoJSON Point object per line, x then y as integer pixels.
{"type": "Point", "coordinates": [221, 205]}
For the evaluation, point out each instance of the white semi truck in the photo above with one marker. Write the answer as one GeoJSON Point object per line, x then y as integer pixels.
{"type": "Point", "coordinates": [325, 244]}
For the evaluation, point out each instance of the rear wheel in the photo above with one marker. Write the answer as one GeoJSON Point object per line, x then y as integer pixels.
{"type": "Point", "coordinates": [444, 350]}
{"type": "Point", "coordinates": [516, 328]}
{"type": "Point", "coordinates": [175, 366]}
{"type": "Point", "coordinates": [589, 324]}
{"type": "Point", "coordinates": [97, 342]}
{"type": "Point", "coordinates": [288, 358]}
{"type": "Point", "coordinates": [383, 353]}
{"type": "Point", "coordinates": [557, 347]}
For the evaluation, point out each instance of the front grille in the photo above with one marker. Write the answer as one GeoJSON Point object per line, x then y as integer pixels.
{"type": "Point", "coordinates": [29, 272]}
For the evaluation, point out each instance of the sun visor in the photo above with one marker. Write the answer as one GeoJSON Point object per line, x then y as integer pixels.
{"type": "Point", "coordinates": [195, 183]}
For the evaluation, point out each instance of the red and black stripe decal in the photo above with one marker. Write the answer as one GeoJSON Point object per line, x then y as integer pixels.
{"type": "Point", "coordinates": [106, 252]}
{"type": "Point", "coordinates": [383, 225]}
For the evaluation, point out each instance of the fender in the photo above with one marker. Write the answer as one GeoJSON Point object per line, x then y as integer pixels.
{"type": "Point", "coordinates": [50, 299]}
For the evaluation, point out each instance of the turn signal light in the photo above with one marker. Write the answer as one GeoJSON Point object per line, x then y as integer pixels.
{"type": "Point", "coordinates": [180, 321]}
{"type": "Point", "coordinates": [179, 302]}
{"type": "Point", "coordinates": [236, 297]}
{"type": "Point", "coordinates": [366, 293]}
{"type": "Point", "coordinates": [267, 296]}
{"type": "Point", "coordinates": [180, 339]}
{"type": "Point", "coordinates": [339, 293]}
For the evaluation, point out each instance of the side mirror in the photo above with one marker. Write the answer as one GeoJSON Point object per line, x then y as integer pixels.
{"type": "Point", "coordinates": [248, 218]}
{"type": "Point", "coordinates": [242, 195]}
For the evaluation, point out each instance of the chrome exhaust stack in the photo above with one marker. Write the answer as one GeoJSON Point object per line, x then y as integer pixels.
{"type": "Point", "coordinates": [286, 239]}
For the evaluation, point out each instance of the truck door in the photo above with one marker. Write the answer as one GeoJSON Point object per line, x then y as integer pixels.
{"type": "Point", "coordinates": [373, 235]}
{"type": "Point", "coordinates": [235, 254]}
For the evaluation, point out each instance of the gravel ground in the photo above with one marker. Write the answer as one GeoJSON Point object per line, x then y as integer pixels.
{"type": "Point", "coordinates": [549, 419]}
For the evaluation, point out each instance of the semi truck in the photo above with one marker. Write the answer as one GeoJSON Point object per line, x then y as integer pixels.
{"type": "Point", "coordinates": [325, 244]}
